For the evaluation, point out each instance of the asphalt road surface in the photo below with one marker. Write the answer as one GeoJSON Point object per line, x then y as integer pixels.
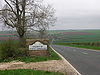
{"type": "Point", "coordinates": [87, 62]}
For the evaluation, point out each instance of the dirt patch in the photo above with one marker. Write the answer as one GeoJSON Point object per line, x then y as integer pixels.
{"type": "Point", "coordinates": [53, 66]}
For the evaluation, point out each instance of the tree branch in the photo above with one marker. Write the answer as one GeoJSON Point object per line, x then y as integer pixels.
{"type": "Point", "coordinates": [10, 7]}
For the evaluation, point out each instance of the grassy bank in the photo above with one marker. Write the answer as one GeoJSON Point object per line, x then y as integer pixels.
{"type": "Point", "coordinates": [52, 56]}
{"type": "Point", "coordinates": [79, 46]}
{"type": "Point", "coordinates": [28, 72]}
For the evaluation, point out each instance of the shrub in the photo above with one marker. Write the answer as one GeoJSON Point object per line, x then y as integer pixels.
{"type": "Point", "coordinates": [9, 49]}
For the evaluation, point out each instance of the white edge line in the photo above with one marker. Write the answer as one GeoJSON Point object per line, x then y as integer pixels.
{"type": "Point", "coordinates": [65, 61]}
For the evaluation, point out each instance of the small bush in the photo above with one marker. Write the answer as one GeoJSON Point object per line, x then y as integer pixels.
{"type": "Point", "coordinates": [10, 49]}
{"type": "Point", "coordinates": [7, 49]}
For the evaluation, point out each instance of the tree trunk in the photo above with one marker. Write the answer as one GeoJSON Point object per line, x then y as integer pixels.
{"type": "Point", "coordinates": [22, 42]}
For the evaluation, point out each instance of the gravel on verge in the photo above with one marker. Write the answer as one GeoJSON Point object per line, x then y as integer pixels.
{"type": "Point", "coordinates": [53, 66]}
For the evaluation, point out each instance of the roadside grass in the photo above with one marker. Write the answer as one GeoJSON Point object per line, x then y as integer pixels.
{"type": "Point", "coordinates": [79, 46]}
{"type": "Point", "coordinates": [52, 56]}
{"type": "Point", "coordinates": [28, 72]}
{"type": "Point", "coordinates": [27, 59]}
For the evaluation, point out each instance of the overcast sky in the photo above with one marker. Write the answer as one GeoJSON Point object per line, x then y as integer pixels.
{"type": "Point", "coordinates": [76, 14]}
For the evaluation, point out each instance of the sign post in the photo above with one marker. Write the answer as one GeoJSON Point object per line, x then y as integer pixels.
{"type": "Point", "coordinates": [37, 47]}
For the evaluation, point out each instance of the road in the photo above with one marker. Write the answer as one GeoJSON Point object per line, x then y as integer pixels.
{"type": "Point", "coordinates": [87, 62]}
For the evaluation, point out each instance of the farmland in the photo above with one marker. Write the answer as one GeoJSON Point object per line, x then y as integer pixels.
{"type": "Point", "coordinates": [8, 35]}
{"type": "Point", "coordinates": [62, 36]}
{"type": "Point", "coordinates": [77, 38]}
{"type": "Point", "coordinates": [73, 36]}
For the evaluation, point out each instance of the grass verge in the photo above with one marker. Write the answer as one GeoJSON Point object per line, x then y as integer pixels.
{"type": "Point", "coordinates": [53, 56]}
{"type": "Point", "coordinates": [79, 46]}
{"type": "Point", "coordinates": [28, 72]}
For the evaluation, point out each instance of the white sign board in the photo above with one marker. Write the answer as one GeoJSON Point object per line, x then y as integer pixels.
{"type": "Point", "coordinates": [37, 46]}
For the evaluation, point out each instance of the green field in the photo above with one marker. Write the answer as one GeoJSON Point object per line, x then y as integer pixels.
{"type": "Point", "coordinates": [65, 36]}
{"type": "Point", "coordinates": [70, 36]}
{"type": "Point", "coordinates": [77, 38]}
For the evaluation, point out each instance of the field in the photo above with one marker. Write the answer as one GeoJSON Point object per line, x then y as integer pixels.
{"type": "Point", "coordinates": [68, 37]}
{"type": "Point", "coordinates": [8, 35]}
{"type": "Point", "coordinates": [62, 36]}
{"type": "Point", "coordinates": [73, 36]}
{"type": "Point", "coordinates": [77, 38]}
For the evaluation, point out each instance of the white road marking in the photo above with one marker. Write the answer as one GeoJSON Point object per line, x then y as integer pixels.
{"type": "Point", "coordinates": [66, 61]}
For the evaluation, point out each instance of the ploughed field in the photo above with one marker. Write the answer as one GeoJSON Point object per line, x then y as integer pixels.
{"type": "Point", "coordinates": [12, 35]}
{"type": "Point", "coordinates": [85, 37]}
{"type": "Point", "coordinates": [8, 35]}
{"type": "Point", "coordinates": [77, 37]}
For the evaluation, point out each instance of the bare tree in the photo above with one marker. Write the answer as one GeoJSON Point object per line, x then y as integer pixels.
{"type": "Point", "coordinates": [46, 19]}
{"type": "Point", "coordinates": [26, 14]}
